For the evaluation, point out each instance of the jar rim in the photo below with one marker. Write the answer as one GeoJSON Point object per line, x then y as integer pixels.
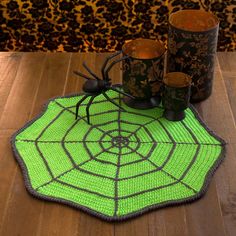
{"type": "Point", "coordinates": [144, 49]}
{"type": "Point", "coordinates": [194, 20]}
{"type": "Point", "coordinates": [177, 80]}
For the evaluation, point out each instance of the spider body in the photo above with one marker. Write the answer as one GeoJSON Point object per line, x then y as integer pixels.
{"type": "Point", "coordinates": [96, 86]}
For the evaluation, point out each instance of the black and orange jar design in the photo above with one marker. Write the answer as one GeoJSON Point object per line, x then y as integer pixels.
{"type": "Point", "coordinates": [192, 46]}
{"type": "Point", "coordinates": [143, 72]}
{"type": "Point", "coordinates": [176, 95]}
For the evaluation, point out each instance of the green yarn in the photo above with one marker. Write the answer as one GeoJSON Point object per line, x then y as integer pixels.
{"type": "Point", "coordinates": [125, 163]}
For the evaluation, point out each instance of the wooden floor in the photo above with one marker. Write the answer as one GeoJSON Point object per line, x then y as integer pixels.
{"type": "Point", "coordinates": [28, 80]}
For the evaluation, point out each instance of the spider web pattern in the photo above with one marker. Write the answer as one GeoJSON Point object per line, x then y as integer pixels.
{"type": "Point", "coordinates": [125, 163]}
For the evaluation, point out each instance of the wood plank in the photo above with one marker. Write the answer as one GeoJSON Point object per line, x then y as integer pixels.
{"type": "Point", "coordinates": [167, 221]}
{"type": "Point", "coordinates": [228, 72]}
{"type": "Point", "coordinates": [227, 61]}
{"type": "Point", "coordinates": [137, 226]}
{"type": "Point", "coordinates": [9, 63]}
{"type": "Point", "coordinates": [49, 220]}
{"type": "Point", "coordinates": [23, 91]}
{"type": "Point", "coordinates": [53, 79]}
{"type": "Point", "coordinates": [21, 96]}
{"type": "Point", "coordinates": [217, 113]}
{"type": "Point", "coordinates": [22, 205]}
{"type": "Point", "coordinates": [175, 221]}
{"type": "Point", "coordinates": [200, 214]}
{"type": "Point", "coordinates": [7, 172]}
{"type": "Point", "coordinates": [89, 225]}
{"type": "Point", "coordinates": [73, 222]}
{"type": "Point", "coordinates": [230, 83]}
{"type": "Point", "coordinates": [152, 223]}
{"type": "Point", "coordinates": [227, 179]}
{"type": "Point", "coordinates": [157, 223]}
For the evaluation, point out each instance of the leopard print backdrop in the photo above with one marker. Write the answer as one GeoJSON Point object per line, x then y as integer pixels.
{"type": "Point", "coordinates": [99, 25]}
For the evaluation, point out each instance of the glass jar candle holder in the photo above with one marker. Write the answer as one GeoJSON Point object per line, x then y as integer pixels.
{"type": "Point", "coordinates": [176, 95]}
{"type": "Point", "coordinates": [143, 72]}
{"type": "Point", "coordinates": [192, 43]}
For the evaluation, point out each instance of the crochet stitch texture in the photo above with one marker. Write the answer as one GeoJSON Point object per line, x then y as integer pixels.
{"type": "Point", "coordinates": [124, 164]}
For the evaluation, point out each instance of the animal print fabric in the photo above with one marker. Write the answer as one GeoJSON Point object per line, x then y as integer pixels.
{"type": "Point", "coordinates": [99, 25]}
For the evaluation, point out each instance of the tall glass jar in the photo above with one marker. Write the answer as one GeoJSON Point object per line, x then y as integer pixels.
{"type": "Point", "coordinates": [192, 44]}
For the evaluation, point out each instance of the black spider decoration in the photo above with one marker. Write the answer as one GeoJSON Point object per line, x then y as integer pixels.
{"type": "Point", "coordinates": [94, 87]}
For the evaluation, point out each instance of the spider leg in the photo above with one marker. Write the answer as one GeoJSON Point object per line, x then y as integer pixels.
{"type": "Point", "coordinates": [106, 61]}
{"type": "Point", "coordinates": [111, 65]}
{"type": "Point", "coordinates": [78, 104]}
{"type": "Point", "coordinates": [109, 99]}
{"type": "Point", "coordinates": [90, 72]}
{"type": "Point", "coordinates": [82, 75]}
{"type": "Point", "coordinates": [118, 91]}
{"type": "Point", "coordinates": [88, 106]}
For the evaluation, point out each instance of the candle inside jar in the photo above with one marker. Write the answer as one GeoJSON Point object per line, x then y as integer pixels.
{"type": "Point", "coordinates": [177, 79]}
{"type": "Point", "coordinates": [143, 49]}
{"type": "Point", "coordinates": [145, 53]}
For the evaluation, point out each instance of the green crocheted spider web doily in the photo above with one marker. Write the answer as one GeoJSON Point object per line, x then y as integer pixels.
{"type": "Point", "coordinates": [124, 164]}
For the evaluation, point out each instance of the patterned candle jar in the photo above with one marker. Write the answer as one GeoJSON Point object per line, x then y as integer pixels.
{"type": "Point", "coordinates": [192, 46]}
{"type": "Point", "coordinates": [143, 72]}
{"type": "Point", "coordinates": [177, 86]}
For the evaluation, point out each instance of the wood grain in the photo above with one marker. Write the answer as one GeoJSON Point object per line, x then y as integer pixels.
{"type": "Point", "coordinates": [226, 125]}
{"type": "Point", "coordinates": [52, 84]}
{"type": "Point", "coordinates": [57, 219]}
{"type": "Point", "coordinates": [19, 208]}
{"type": "Point", "coordinates": [8, 69]}
{"type": "Point", "coordinates": [28, 80]}
{"type": "Point", "coordinates": [201, 214]}
{"type": "Point", "coordinates": [227, 71]}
